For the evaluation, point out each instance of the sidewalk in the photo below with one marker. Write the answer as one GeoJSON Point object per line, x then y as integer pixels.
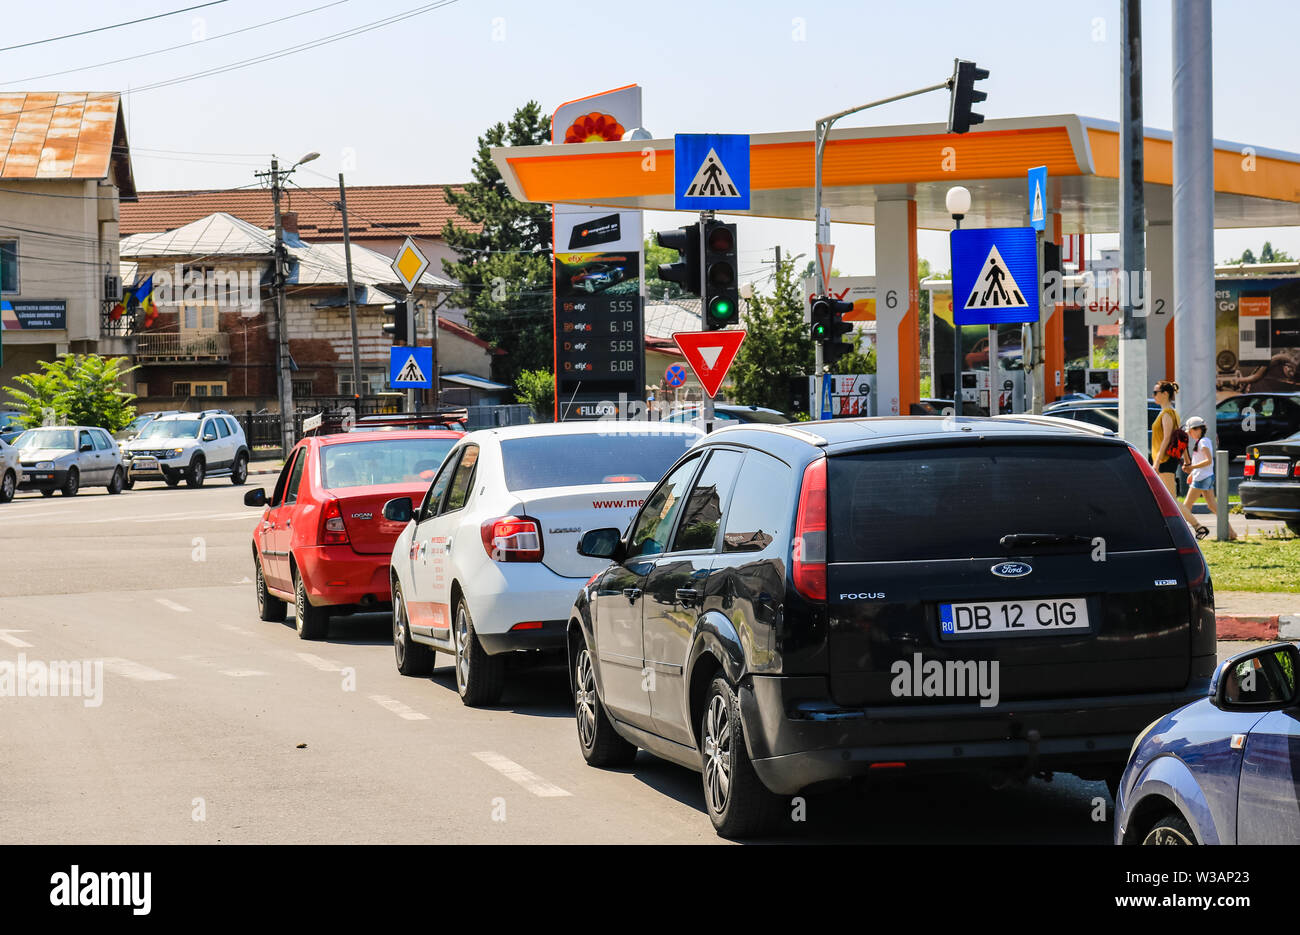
{"type": "Point", "coordinates": [1252, 615]}
{"type": "Point", "coordinates": [273, 466]}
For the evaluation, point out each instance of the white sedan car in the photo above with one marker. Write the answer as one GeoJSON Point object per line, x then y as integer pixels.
{"type": "Point", "coordinates": [488, 562]}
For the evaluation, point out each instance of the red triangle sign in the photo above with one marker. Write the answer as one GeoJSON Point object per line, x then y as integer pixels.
{"type": "Point", "coordinates": [710, 354]}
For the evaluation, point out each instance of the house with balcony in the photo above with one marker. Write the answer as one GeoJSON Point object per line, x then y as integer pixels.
{"type": "Point", "coordinates": [65, 166]}
{"type": "Point", "coordinates": [213, 340]}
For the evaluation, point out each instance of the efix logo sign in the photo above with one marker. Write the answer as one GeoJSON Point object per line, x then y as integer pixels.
{"type": "Point", "coordinates": [710, 354]}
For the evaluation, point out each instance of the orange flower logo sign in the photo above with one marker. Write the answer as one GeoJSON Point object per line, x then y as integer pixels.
{"type": "Point", "coordinates": [594, 128]}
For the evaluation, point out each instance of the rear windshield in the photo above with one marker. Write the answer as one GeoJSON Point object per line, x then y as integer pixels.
{"type": "Point", "coordinates": [573, 460]}
{"type": "Point", "coordinates": [957, 502]}
{"type": "Point", "coordinates": [387, 461]}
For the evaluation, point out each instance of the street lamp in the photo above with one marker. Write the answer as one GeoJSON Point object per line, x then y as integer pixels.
{"type": "Point", "coordinates": [958, 203]}
{"type": "Point", "coordinates": [307, 158]}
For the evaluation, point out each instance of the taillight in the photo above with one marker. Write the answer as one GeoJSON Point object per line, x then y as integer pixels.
{"type": "Point", "coordinates": [332, 530]}
{"type": "Point", "coordinates": [1295, 472]}
{"type": "Point", "coordinates": [1188, 551]}
{"type": "Point", "coordinates": [809, 561]}
{"type": "Point", "coordinates": [512, 539]}
{"type": "Point", "coordinates": [1249, 469]}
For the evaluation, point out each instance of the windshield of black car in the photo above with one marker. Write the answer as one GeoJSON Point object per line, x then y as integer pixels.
{"type": "Point", "coordinates": [171, 428]}
{"type": "Point", "coordinates": [45, 438]}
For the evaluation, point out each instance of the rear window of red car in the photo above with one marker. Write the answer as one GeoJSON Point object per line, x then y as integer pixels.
{"type": "Point", "coordinates": [383, 461]}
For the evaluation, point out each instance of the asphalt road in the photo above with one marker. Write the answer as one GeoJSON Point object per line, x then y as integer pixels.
{"type": "Point", "coordinates": [216, 727]}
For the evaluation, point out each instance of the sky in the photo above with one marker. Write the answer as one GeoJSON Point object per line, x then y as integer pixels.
{"type": "Point", "coordinates": [405, 103]}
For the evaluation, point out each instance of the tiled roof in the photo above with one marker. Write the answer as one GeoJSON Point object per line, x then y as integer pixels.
{"type": "Point", "coordinates": [64, 135]}
{"type": "Point", "coordinates": [374, 211]}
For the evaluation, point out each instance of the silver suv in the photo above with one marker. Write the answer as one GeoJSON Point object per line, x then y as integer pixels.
{"type": "Point", "coordinates": [189, 446]}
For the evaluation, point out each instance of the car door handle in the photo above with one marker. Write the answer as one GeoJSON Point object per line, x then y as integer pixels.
{"type": "Point", "coordinates": [631, 594]}
{"type": "Point", "coordinates": [448, 544]}
{"type": "Point", "coordinates": [687, 596]}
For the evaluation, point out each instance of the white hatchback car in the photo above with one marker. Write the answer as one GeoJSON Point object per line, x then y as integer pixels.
{"type": "Point", "coordinates": [488, 562]}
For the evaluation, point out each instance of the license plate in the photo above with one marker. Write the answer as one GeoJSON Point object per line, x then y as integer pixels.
{"type": "Point", "coordinates": [144, 464]}
{"type": "Point", "coordinates": [31, 477]}
{"type": "Point", "coordinates": [1013, 618]}
{"type": "Point", "coordinates": [1277, 468]}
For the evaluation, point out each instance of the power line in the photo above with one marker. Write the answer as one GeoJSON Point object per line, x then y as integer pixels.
{"type": "Point", "coordinates": [87, 32]}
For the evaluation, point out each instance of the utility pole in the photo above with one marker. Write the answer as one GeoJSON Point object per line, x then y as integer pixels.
{"type": "Point", "coordinates": [352, 296]}
{"type": "Point", "coordinates": [1133, 381]}
{"type": "Point", "coordinates": [287, 434]}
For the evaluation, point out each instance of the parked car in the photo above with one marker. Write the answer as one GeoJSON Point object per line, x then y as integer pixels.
{"type": "Point", "coordinates": [1009, 354]}
{"type": "Point", "coordinates": [137, 424]}
{"type": "Point", "coordinates": [67, 458]}
{"type": "Point", "coordinates": [1270, 485]}
{"type": "Point", "coordinates": [189, 446]}
{"type": "Point", "coordinates": [9, 420]}
{"type": "Point", "coordinates": [10, 470]}
{"type": "Point", "coordinates": [1101, 412]}
{"type": "Point", "coordinates": [780, 579]}
{"type": "Point", "coordinates": [1221, 770]}
{"type": "Point", "coordinates": [729, 413]}
{"type": "Point", "coordinates": [323, 543]}
{"type": "Point", "coordinates": [1250, 418]}
{"type": "Point", "coordinates": [513, 501]}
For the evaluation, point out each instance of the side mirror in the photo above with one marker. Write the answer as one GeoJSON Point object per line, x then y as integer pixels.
{"type": "Point", "coordinates": [87, 447]}
{"type": "Point", "coordinates": [601, 543]}
{"type": "Point", "coordinates": [398, 510]}
{"type": "Point", "coordinates": [255, 497]}
{"type": "Point", "coordinates": [1258, 680]}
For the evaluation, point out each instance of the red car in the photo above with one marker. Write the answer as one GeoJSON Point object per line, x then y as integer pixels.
{"type": "Point", "coordinates": [323, 543]}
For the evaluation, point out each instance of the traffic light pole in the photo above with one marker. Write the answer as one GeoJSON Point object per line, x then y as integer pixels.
{"type": "Point", "coordinates": [705, 216]}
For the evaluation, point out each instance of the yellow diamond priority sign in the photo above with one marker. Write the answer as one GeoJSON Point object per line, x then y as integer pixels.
{"type": "Point", "coordinates": [410, 264]}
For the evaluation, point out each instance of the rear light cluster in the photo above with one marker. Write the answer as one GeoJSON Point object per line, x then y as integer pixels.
{"type": "Point", "coordinates": [1188, 551]}
{"type": "Point", "coordinates": [808, 568]}
{"type": "Point", "coordinates": [1249, 470]}
{"type": "Point", "coordinates": [332, 530]}
{"type": "Point", "coordinates": [512, 539]}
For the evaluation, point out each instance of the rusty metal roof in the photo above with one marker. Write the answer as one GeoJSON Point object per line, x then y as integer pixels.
{"type": "Point", "coordinates": [65, 135]}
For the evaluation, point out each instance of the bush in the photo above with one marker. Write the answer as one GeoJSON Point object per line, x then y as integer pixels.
{"type": "Point", "coordinates": [76, 389]}
{"type": "Point", "coordinates": [536, 388]}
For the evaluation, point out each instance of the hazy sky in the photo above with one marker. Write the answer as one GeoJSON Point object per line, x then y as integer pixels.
{"type": "Point", "coordinates": [405, 103]}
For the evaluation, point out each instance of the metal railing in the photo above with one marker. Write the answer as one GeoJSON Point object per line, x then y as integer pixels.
{"type": "Point", "coordinates": [214, 346]}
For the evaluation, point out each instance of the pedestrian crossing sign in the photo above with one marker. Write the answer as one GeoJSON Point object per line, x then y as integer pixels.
{"type": "Point", "coordinates": [410, 367]}
{"type": "Point", "coordinates": [711, 171]}
{"type": "Point", "coordinates": [995, 275]}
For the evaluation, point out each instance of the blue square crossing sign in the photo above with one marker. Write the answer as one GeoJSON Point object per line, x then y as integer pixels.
{"type": "Point", "coordinates": [410, 367]}
{"type": "Point", "coordinates": [711, 172]}
{"type": "Point", "coordinates": [994, 275]}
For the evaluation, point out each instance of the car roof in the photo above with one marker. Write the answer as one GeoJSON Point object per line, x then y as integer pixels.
{"type": "Point", "coordinates": [351, 438]}
{"type": "Point", "coordinates": [595, 427]}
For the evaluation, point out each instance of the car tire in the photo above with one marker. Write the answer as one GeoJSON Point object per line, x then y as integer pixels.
{"type": "Point", "coordinates": [414, 659]}
{"type": "Point", "coordinates": [47, 492]}
{"type": "Point", "coordinates": [313, 622]}
{"type": "Point", "coordinates": [239, 472]}
{"type": "Point", "coordinates": [480, 678]}
{"type": "Point", "coordinates": [8, 486]}
{"type": "Point", "coordinates": [1172, 829]}
{"type": "Point", "coordinates": [601, 745]}
{"type": "Point", "coordinates": [269, 607]}
{"type": "Point", "coordinates": [115, 485]}
{"type": "Point", "coordinates": [128, 482]}
{"type": "Point", "coordinates": [171, 481]}
{"type": "Point", "coordinates": [196, 474]}
{"type": "Point", "coordinates": [738, 803]}
{"type": "Point", "coordinates": [72, 484]}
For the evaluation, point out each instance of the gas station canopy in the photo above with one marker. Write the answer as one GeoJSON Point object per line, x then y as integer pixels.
{"type": "Point", "coordinates": [1254, 187]}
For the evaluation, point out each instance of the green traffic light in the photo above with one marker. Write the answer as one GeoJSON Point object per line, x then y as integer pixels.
{"type": "Point", "coordinates": [720, 308]}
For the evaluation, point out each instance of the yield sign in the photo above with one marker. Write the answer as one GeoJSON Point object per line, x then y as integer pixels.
{"type": "Point", "coordinates": [710, 354]}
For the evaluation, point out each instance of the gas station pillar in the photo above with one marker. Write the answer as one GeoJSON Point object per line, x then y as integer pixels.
{"type": "Point", "coordinates": [898, 371]}
{"type": "Point", "coordinates": [1053, 331]}
{"type": "Point", "coordinates": [1160, 304]}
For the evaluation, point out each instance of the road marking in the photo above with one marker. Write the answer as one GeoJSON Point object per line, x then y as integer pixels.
{"type": "Point", "coordinates": [135, 670]}
{"type": "Point", "coordinates": [172, 605]}
{"type": "Point", "coordinates": [13, 640]}
{"type": "Point", "coordinates": [234, 629]}
{"type": "Point", "coordinates": [516, 773]}
{"type": "Point", "coordinates": [325, 665]}
{"type": "Point", "coordinates": [241, 673]}
{"type": "Point", "coordinates": [401, 710]}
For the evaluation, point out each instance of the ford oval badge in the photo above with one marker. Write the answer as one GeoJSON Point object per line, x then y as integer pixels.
{"type": "Point", "coordinates": [1011, 569]}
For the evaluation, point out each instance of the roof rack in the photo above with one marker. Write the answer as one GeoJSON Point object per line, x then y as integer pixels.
{"type": "Point", "coordinates": [1054, 422]}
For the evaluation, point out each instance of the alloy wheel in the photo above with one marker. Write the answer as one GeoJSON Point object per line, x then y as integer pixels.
{"type": "Point", "coordinates": [7, 487]}
{"type": "Point", "coordinates": [584, 695]}
{"type": "Point", "coordinates": [399, 627]}
{"type": "Point", "coordinates": [1167, 835]}
{"type": "Point", "coordinates": [462, 649]}
{"type": "Point", "coordinates": [717, 754]}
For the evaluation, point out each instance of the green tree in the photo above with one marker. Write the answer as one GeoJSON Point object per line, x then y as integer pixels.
{"type": "Point", "coordinates": [856, 360]}
{"type": "Point", "coordinates": [503, 254]}
{"type": "Point", "coordinates": [1268, 255]}
{"type": "Point", "coordinates": [777, 347]}
{"type": "Point", "coordinates": [76, 389]}
{"type": "Point", "coordinates": [657, 289]}
{"type": "Point", "coordinates": [537, 389]}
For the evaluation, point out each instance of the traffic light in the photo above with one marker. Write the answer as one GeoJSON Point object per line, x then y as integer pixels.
{"type": "Point", "coordinates": [396, 329]}
{"type": "Point", "coordinates": [964, 75]}
{"type": "Point", "coordinates": [686, 271]}
{"type": "Point", "coordinates": [829, 326]}
{"type": "Point", "coordinates": [721, 278]}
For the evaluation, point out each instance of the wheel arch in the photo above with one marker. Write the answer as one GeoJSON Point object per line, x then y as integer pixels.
{"type": "Point", "coordinates": [715, 648]}
{"type": "Point", "coordinates": [1170, 786]}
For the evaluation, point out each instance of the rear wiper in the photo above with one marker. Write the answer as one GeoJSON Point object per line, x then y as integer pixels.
{"type": "Point", "coordinates": [1030, 539]}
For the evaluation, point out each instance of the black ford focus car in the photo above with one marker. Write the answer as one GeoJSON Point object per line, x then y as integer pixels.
{"type": "Point", "coordinates": [799, 605]}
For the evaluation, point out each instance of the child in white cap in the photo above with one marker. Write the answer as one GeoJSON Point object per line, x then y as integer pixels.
{"type": "Point", "coordinates": [1199, 465]}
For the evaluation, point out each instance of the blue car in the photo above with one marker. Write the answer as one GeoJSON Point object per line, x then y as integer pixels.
{"type": "Point", "coordinates": [1225, 769]}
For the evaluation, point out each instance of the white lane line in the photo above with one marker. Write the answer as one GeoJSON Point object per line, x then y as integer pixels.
{"type": "Point", "coordinates": [241, 673]}
{"type": "Point", "coordinates": [516, 773]}
{"type": "Point", "coordinates": [13, 640]}
{"type": "Point", "coordinates": [191, 517]}
{"type": "Point", "coordinates": [135, 670]}
{"type": "Point", "coordinates": [325, 665]}
{"type": "Point", "coordinates": [233, 673]}
{"type": "Point", "coordinates": [234, 629]}
{"type": "Point", "coordinates": [172, 605]}
{"type": "Point", "coordinates": [401, 710]}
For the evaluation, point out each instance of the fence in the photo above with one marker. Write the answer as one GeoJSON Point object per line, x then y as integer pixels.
{"type": "Point", "coordinates": [488, 417]}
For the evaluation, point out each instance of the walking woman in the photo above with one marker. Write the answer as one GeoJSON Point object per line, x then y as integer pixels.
{"type": "Point", "coordinates": [1162, 435]}
{"type": "Point", "coordinates": [1200, 473]}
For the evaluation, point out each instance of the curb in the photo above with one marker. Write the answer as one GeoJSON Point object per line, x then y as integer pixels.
{"type": "Point", "coordinates": [1257, 627]}
{"type": "Point", "coordinates": [1289, 626]}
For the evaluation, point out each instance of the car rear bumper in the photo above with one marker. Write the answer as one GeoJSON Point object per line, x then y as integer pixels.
{"type": "Point", "coordinates": [798, 737]}
{"type": "Point", "coordinates": [1274, 499]}
{"type": "Point", "coordinates": [334, 575]}
{"type": "Point", "coordinates": [550, 635]}
{"type": "Point", "coordinates": [503, 594]}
